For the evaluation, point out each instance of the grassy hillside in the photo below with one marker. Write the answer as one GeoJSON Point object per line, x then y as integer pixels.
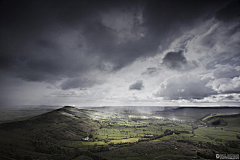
{"type": "Point", "coordinates": [222, 115]}
{"type": "Point", "coordinates": [43, 136]}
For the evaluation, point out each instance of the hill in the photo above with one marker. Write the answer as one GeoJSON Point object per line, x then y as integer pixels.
{"type": "Point", "coordinates": [40, 137]}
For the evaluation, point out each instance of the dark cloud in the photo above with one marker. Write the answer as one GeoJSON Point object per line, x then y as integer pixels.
{"type": "Point", "coordinates": [174, 60]}
{"type": "Point", "coordinates": [50, 68]}
{"type": "Point", "coordinates": [48, 41]}
{"type": "Point", "coordinates": [46, 44]}
{"type": "Point", "coordinates": [177, 61]}
{"type": "Point", "coordinates": [138, 85]}
{"type": "Point", "coordinates": [230, 12]}
{"type": "Point", "coordinates": [78, 83]}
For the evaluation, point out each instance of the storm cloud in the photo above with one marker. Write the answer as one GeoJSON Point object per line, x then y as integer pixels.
{"type": "Point", "coordinates": [48, 41]}
{"type": "Point", "coordinates": [230, 12]}
{"type": "Point", "coordinates": [105, 46]}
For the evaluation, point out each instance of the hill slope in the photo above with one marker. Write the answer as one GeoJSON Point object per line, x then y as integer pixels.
{"type": "Point", "coordinates": [40, 137]}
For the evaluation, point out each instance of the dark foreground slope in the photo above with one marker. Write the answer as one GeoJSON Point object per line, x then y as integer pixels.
{"type": "Point", "coordinates": [40, 137]}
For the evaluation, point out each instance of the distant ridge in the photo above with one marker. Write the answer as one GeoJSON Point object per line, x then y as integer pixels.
{"type": "Point", "coordinates": [217, 107]}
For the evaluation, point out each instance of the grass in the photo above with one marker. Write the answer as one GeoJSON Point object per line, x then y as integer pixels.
{"type": "Point", "coordinates": [67, 143]}
{"type": "Point", "coordinates": [94, 143]}
{"type": "Point", "coordinates": [130, 140]}
{"type": "Point", "coordinates": [215, 133]}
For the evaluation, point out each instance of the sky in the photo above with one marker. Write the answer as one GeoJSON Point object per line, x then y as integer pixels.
{"type": "Point", "coordinates": [120, 53]}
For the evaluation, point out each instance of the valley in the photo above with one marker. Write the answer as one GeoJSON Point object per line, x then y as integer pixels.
{"type": "Point", "coordinates": [130, 133]}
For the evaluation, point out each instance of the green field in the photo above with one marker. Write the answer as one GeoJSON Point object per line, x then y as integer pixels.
{"type": "Point", "coordinates": [129, 140]}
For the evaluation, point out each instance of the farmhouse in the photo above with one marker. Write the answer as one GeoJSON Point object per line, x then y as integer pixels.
{"type": "Point", "coordinates": [85, 139]}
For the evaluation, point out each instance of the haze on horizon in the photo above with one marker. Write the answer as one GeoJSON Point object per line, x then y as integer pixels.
{"type": "Point", "coordinates": [120, 53]}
